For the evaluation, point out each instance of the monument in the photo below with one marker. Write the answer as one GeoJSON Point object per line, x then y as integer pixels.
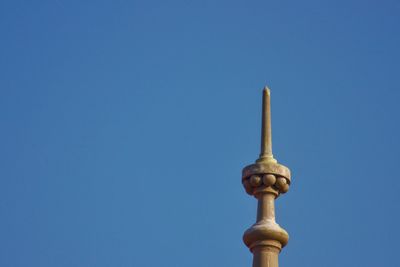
{"type": "Point", "coordinates": [266, 180]}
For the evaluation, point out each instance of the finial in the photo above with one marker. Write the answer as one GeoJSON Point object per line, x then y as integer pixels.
{"type": "Point", "coordinates": [266, 180]}
{"type": "Point", "coordinates": [266, 135]}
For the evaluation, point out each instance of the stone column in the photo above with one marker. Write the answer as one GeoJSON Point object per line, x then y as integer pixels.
{"type": "Point", "coordinates": [266, 180]}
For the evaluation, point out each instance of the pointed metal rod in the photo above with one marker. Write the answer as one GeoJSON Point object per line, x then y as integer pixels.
{"type": "Point", "coordinates": [266, 136]}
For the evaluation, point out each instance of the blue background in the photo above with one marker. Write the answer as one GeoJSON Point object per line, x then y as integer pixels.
{"type": "Point", "coordinates": [125, 126]}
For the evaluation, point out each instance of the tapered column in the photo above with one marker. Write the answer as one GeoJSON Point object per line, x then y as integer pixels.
{"type": "Point", "coordinates": [266, 206]}
{"type": "Point", "coordinates": [266, 256]}
{"type": "Point", "coordinates": [266, 180]}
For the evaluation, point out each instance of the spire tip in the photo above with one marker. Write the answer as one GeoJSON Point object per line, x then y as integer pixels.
{"type": "Point", "coordinates": [266, 142]}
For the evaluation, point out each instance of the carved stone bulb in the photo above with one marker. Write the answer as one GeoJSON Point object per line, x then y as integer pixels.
{"type": "Point", "coordinates": [269, 179]}
{"type": "Point", "coordinates": [255, 180]}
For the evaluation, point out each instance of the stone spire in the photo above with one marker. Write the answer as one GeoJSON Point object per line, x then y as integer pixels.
{"type": "Point", "coordinates": [266, 180]}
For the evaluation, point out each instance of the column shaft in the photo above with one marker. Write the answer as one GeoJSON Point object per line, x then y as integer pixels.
{"type": "Point", "coordinates": [266, 206]}
{"type": "Point", "coordinates": [265, 256]}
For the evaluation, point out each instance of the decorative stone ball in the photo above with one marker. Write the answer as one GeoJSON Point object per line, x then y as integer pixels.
{"type": "Point", "coordinates": [280, 182]}
{"type": "Point", "coordinates": [247, 186]}
{"type": "Point", "coordinates": [269, 179]}
{"type": "Point", "coordinates": [285, 188]}
{"type": "Point", "coordinates": [255, 180]}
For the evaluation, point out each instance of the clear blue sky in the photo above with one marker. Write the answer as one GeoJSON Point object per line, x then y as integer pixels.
{"type": "Point", "coordinates": [125, 126]}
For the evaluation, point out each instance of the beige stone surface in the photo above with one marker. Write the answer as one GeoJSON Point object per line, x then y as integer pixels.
{"type": "Point", "coordinates": [266, 180]}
